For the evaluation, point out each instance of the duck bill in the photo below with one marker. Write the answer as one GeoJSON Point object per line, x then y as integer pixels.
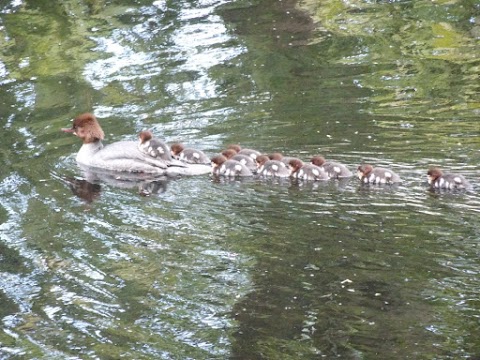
{"type": "Point", "coordinates": [68, 130]}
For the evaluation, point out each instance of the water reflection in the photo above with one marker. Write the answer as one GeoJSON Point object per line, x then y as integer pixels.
{"type": "Point", "coordinates": [252, 268]}
{"type": "Point", "coordinates": [83, 189]}
{"type": "Point", "coordinates": [89, 189]}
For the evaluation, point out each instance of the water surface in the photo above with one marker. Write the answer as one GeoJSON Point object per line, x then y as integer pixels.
{"type": "Point", "coordinates": [252, 269]}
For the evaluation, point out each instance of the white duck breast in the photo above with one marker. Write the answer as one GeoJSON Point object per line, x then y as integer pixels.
{"type": "Point", "coordinates": [193, 156]}
{"type": "Point", "coordinates": [233, 168]}
{"type": "Point", "coordinates": [336, 170]}
{"type": "Point", "coordinates": [273, 168]}
{"type": "Point", "coordinates": [246, 160]}
{"type": "Point", "coordinates": [155, 148]}
{"type": "Point", "coordinates": [312, 172]}
{"type": "Point", "coordinates": [381, 176]}
{"type": "Point", "coordinates": [451, 181]}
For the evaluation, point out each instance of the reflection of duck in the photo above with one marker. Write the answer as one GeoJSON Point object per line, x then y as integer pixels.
{"type": "Point", "coordinates": [122, 156]}
{"type": "Point", "coordinates": [153, 147]}
{"type": "Point", "coordinates": [223, 167]}
{"type": "Point", "coordinates": [83, 189]}
{"type": "Point", "coordinates": [370, 175]}
{"type": "Point", "coordinates": [271, 168]}
{"type": "Point", "coordinates": [189, 155]}
{"type": "Point", "coordinates": [334, 170]}
{"type": "Point", "coordinates": [438, 180]}
{"type": "Point", "coordinates": [152, 187]}
{"type": "Point", "coordinates": [303, 171]}
{"type": "Point", "coordinates": [89, 188]}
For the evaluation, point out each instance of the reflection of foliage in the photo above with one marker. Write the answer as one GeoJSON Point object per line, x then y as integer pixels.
{"type": "Point", "coordinates": [49, 44]}
{"type": "Point", "coordinates": [420, 51]}
{"type": "Point", "coordinates": [52, 44]}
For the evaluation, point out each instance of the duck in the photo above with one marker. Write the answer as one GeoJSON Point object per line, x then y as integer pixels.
{"type": "Point", "coordinates": [152, 146]}
{"type": "Point", "coordinates": [279, 156]}
{"type": "Point", "coordinates": [439, 180]}
{"type": "Point", "coordinates": [249, 152]}
{"type": "Point", "coordinates": [122, 156]}
{"type": "Point", "coordinates": [376, 175]}
{"type": "Point", "coordinates": [189, 155]}
{"type": "Point", "coordinates": [221, 166]}
{"type": "Point", "coordinates": [229, 153]}
{"type": "Point", "coordinates": [271, 168]}
{"type": "Point", "coordinates": [333, 169]}
{"type": "Point", "coordinates": [303, 171]}
{"type": "Point", "coordinates": [244, 159]}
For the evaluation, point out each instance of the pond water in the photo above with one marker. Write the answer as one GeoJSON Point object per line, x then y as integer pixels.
{"type": "Point", "coordinates": [252, 269]}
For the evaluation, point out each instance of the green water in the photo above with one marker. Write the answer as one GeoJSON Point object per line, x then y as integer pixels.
{"type": "Point", "coordinates": [253, 269]}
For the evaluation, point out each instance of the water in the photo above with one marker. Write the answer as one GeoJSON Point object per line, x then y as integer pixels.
{"type": "Point", "coordinates": [251, 269]}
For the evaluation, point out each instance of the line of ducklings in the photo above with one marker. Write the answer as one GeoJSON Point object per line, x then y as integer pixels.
{"type": "Point", "coordinates": [235, 161]}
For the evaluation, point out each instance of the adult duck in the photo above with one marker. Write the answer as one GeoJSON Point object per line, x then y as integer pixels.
{"type": "Point", "coordinates": [122, 156]}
